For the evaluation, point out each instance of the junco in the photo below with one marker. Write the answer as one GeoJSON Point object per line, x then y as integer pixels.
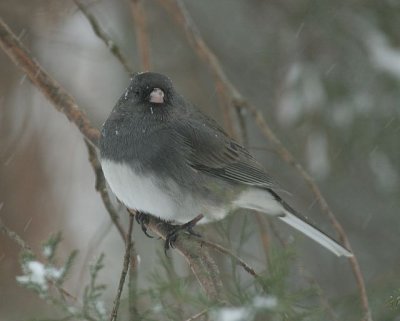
{"type": "Point", "coordinates": [162, 156]}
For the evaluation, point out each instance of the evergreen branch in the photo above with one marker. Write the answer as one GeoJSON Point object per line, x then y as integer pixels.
{"type": "Point", "coordinates": [102, 35]}
{"type": "Point", "coordinates": [22, 244]}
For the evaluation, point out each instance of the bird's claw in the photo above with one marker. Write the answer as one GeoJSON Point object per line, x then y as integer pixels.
{"type": "Point", "coordinates": [142, 220]}
{"type": "Point", "coordinates": [175, 229]}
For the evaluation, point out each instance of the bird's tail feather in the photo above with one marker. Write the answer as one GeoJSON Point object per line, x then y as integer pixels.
{"type": "Point", "coordinates": [315, 234]}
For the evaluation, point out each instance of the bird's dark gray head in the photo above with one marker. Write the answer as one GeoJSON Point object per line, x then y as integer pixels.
{"type": "Point", "coordinates": [147, 92]}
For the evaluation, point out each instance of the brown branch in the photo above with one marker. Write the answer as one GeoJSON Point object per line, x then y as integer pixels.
{"type": "Point", "coordinates": [60, 99]}
{"type": "Point", "coordinates": [142, 38]}
{"type": "Point", "coordinates": [237, 259]}
{"type": "Point", "coordinates": [198, 315]}
{"type": "Point", "coordinates": [178, 11]}
{"type": "Point", "coordinates": [181, 16]}
{"type": "Point", "coordinates": [99, 32]}
{"type": "Point", "coordinates": [125, 268]}
{"type": "Point", "coordinates": [133, 273]}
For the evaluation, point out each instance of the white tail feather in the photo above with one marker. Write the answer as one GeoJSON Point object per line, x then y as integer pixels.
{"type": "Point", "coordinates": [314, 234]}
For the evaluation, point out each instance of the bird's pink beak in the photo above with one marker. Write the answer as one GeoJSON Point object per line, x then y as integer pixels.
{"type": "Point", "coordinates": [157, 96]}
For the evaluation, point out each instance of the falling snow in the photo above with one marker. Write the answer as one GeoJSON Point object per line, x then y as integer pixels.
{"type": "Point", "coordinates": [385, 172]}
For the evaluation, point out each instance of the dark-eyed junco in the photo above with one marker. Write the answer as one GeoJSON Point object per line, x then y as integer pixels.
{"type": "Point", "coordinates": [162, 156]}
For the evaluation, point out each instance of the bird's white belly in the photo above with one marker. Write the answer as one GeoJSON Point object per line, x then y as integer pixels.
{"type": "Point", "coordinates": [142, 193]}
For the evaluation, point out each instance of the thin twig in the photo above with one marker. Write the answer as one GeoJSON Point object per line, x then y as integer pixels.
{"type": "Point", "coordinates": [101, 187]}
{"type": "Point", "coordinates": [238, 260]}
{"type": "Point", "coordinates": [177, 10]}
{"type": "Point", "coordinates": [127, 258]}
{"type": "Point", "coordinates": [263, 234]}
{"type": "Point", "coordinates": [198, 315]}
{"type": "Point", "coordinates": [98, 30]}
{"type": "Point", "coordinates": [142, 38]}
{"type": "Point", "coordinates": [14, 236]}
{"type": "Point", "coordinates": [133, 274]}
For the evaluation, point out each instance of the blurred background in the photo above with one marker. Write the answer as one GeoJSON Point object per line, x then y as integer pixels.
{"type": "Point", "coordinates": [325, 75]}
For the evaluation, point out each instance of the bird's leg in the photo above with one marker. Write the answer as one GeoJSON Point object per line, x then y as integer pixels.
{"type": "Point", "coordinates": [142, 219]}
{"type": "Point", "coordinates": [175, 229]}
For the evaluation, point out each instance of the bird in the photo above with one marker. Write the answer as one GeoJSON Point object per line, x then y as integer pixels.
{"type": "Point", "coordinates": [162, 156]}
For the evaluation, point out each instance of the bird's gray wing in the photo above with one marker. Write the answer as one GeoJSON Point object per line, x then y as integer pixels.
{"type": "Point", "coordinates": [211, 151]}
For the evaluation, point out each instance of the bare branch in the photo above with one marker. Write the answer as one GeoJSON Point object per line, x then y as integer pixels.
{"type": "Point", "coordinates": [178, 11]}
{"type": "Point", "coordinates": [237, 259]}
{"type": "Point", "coordinates": [125, 268]}
{"type": "Point", "coordinates": [98, 30]}
{"type": "Point", "coordinates": [198, 315]}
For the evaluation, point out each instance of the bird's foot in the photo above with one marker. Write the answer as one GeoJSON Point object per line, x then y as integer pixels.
{"type": "Point", "coordinates": [142, 220]}
{"type": "Point", "coordinates": [175, 229]}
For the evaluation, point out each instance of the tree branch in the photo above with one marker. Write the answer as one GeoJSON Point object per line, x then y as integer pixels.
{"type": "Point", "coordinates": [98, 30]}
{"type": "Point", "coordinates": [127, 258]}
{"type": "Point", "coordinates": [178, 11]}
{"type": "Point", "coordinates": [237, 259]}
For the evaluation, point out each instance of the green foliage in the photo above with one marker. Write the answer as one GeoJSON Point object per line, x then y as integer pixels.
{"type": "Point", "coordinates": [270, 296]}
{"type": "Point", "coordinates": [394, 300]}
{"type": "Point", "coordinates": [46, 278]}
